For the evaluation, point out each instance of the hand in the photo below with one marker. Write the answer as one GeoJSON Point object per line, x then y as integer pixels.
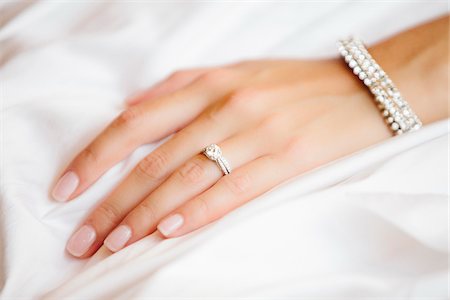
{"type": "Point", "coordinates": [272, 119]}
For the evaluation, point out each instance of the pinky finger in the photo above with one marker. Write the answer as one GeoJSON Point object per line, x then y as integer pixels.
{"type": "Point", "coordinates": [230, 192]}
{"type": "Point", "coordinates": [174, 82]}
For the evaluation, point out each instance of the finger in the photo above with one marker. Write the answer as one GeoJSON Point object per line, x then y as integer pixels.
{"type": "Point", "coordinates": [228, 193]}
{"type": "Point", "coordinates": [145, 177]}
{"type": "Point", "coordinates": [155, 168]}
{"type": "Point", "coordinates": [139, 124]}
{"type": "Point", "coordinates": [193, 178]}
{"type": "Point", "coordinates": [176, 81]}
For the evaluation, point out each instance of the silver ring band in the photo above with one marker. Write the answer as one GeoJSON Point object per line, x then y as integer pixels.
{"type": "Point", "coordinates": [214, 153]}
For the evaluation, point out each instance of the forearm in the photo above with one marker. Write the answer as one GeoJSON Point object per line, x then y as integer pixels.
{"type": "Point", "coordinates": [417, 62]}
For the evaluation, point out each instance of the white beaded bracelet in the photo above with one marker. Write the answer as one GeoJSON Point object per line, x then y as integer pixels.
{"type": "Point", "coordinates": [396, 111]}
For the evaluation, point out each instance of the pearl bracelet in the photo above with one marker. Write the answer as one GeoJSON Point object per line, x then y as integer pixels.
{"type": "Point", "coordinates": [396, 111]}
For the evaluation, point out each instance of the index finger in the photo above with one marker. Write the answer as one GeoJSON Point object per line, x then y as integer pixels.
{"type": "Point", "coordinates": [139, 124]}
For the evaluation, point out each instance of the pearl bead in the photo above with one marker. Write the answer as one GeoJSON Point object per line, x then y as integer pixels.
{"type": "Point", "coordinates": [394, 108]}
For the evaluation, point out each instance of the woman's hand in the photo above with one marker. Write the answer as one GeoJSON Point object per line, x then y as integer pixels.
{"type": "Point", "coordinates": [272, 119]}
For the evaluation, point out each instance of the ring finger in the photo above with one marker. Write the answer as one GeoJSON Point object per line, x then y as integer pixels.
{"type": "Point", "coordinates": [146, 176]}
{"type": "Point", "coordinates": [194, 177]}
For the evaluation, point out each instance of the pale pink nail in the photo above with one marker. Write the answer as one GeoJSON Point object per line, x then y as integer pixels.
{"type": "Point", "coordinates": [170, 224]}
{"type": "Point", "coordinates": [118, 238]}
{"type": "Point", "coordinates": [81, 241]}
{"type": "Point", "coordinates": [65, 186]}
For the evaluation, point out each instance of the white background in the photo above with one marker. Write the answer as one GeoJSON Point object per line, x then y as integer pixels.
{"type": "Point", "coordinates": [374, 224]}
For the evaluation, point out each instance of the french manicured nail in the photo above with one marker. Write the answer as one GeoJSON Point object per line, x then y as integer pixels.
{"type": "Point", "coordinates": [118, 238]}
{"type": "Point", "coordinates": [81, 241]}
{"type": "Point", "coordinates": [65, 187]}
{"type": "Point", "coordinates": [170, 224]}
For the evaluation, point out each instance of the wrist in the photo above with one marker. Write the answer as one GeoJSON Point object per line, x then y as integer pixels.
{"type": "Point", "coordinates": [417, 62]}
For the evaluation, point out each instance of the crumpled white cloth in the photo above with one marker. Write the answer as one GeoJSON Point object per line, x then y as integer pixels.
{"type": "Point", "coordinates": [371, 225]}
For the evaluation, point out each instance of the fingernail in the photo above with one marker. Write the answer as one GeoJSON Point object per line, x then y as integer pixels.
{"type": "Point", "coordinates": [170, 224]}
{"type": "Point", "coordinates": [118, 238]}
{"type": "Point", "coordinates": [81, 241]}
{"type": "Point", "coordinates": [65, 187]}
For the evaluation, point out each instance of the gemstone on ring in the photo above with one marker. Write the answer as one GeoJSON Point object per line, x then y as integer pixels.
{"type": "Point", "coordinates": [214, 153]}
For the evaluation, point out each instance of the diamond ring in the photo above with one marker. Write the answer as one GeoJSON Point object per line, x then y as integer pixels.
{"type": "Point", "coordinates": [214, 153]}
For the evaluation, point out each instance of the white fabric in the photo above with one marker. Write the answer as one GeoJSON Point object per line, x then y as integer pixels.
{"type": "Point", "coordinates": [373, 224]}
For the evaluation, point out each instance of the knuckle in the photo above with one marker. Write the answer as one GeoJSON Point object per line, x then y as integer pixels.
{"type": "Point", "coordinates": [295, 144]}
{"type": "Point", "coordinates": [193, 171]}
{"type": "Point", "coordinates": [149, 209]}
{"type": "Point", "coordinates": [184, 134]}
{"type": "Point", "coordinates": [296, 155]}
{"type": "Point", "coordinates": [242, 100]}
{"type": "Point", "coordinates": [214, 114]}
{"type": "Point", "coordinates": [128, 118]}
{"type": "Point", "coordinates": [272, 124]}
{"type": "Point", "coordinates": [108, 213]}
{"type": "Point", "coordinates": [238, 183]}
{"type": "Point", "coordinates": [203, 207]}
{"type": "Point", "coordinates": [89, 155]}
{"type": "Point", "coordinates": [179, 75]}
{"type": "Point", "coordinates": [215, 77]}
{"type": "Point", "coordinates": [153, 166]}
{"type": "Point", "coordinates": [294, 149]}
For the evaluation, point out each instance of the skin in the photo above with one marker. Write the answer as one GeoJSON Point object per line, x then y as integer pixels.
{"type": "Point", "coordinates": [273, 119]}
